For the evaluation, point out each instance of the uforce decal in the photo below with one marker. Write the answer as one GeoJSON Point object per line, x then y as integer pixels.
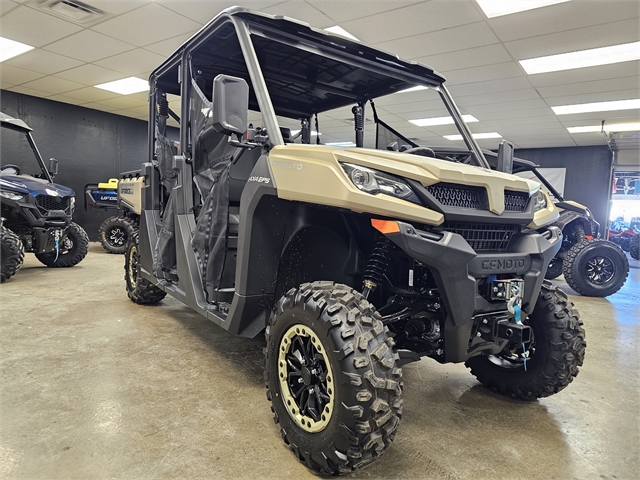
{"type": "Point", "coordinates": [259, 179]}
{"type": "Point", "coordinates": [108, 198]}
{"type": "Point", "coordinates": [287, 165]}
{"type": "Point", "coordinates": [506, 264]}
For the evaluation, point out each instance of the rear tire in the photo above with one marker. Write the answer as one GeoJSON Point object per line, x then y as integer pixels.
{"type": "Point", "coordinates": [554, 270]}
{"type": "Point", "coordinates": [556, 351]}
{"type": "Point", "coordinates": [352, 372]}
{"type": "Point", "coordinates": [595, 268]}
{"type": "Point", "coordinates": [12, 253]}
{"type": "Point", "coordinates": [139, 290]}
{"type": "Point", "coordinates": [115, 232]}
{"type": "Point", "coordinates": [634, 249]}
{"type": "Point", "coordinates": [72, 249]}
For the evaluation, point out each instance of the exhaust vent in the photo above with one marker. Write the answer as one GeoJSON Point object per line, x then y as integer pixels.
{"type": "Point", "coordinates": [72, 11]}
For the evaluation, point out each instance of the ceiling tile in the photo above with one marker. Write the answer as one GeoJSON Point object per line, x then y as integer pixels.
{"type": "Point", "coordinates": [168, 46]}
{"type": "Point", "coordinates": [138, 111]}
{"type": "Point", "coordinates": [127, 27]}
{"type": "Point", "coordinates": [491, 86]}
{"type": "Point", "coordinates": [90, 74]}
{"type": "Point", "coordinates": [413, 20]}
{"type": "Point", "coordinates": [89, 46]}
{"type": "Point", "coordinates": [101, 107]}
{"type": "Point", "coordinates": [625, 69]}
{"type": "Point", "coordinates": [15, 76]}
{"type": "Point", "coordinates": [615, 33]}
{"type": "Point", "coordinates": [91, 94]}
{"type": "Point", "coordinates": [508, 96]}
{"type": "Point", "coordinates": [6, 6]}
{"type": "Point", "coordinates": [472, 57]}
{"type": "Point", "coordinates": [518, 113]}
{"type": "Point", "coordinates": [53, 85]}
{"type": "Point", "coordinates": [301, 11]}
{"type": "Point", "coordinates": [476, 110]}
{"type": "Point", "coordinates": [116, 7]}
{"type": "Point", "coordinates": [593, 97]}
{"type": "Point", "coordinates": [341, 11]}
{"type": "Point", "coordinates": [483, 73]}
{"type": "Point", "coordinates": [42, 61]}
{"type": "Point", "coordinates": [623, 83]}
{"type": "Point", "coordinates": [29, 91]}
{"type": "Point", "coordinates": [124, 102]}
{"type": "Point", "coordinates": [449, 40]}
{"type": "Point", "coordinates": [202, 11]}
{"type": "Point", "coordinates": [563, 16]}
{"type": "Point", "coordinates": [35, 28]}
{"type": "Point", "coordinates": [133, 62]}
{"type": "Point", "coordinates": [65, 99]}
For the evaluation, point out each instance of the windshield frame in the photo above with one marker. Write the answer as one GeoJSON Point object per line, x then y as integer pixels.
{"type": "Point", "coordinates": [34, 148]}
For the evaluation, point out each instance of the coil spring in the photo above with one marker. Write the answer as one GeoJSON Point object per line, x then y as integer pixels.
{"type": "Point", "coordinates": [377, 264]}
{"type": "Point", "coordinates": [163, 105]}
{"type": "Point", "coordinates": [358, 118]}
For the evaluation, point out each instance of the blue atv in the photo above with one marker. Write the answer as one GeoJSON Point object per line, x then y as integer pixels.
{"type": "Point", "coordinates": [36, 213]}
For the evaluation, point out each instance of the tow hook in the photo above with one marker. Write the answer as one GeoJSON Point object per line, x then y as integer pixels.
{"type": "Point", "coordinates": [511, 291]}
{"type": "Point", "coordinates": [57, 235]}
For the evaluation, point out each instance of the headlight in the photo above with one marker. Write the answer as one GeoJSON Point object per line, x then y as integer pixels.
{"type": "Point", "coordinates": [11, 195]}
{"type": "Point", "coordinates": [539, 201]}
{"type": "Point", "coordinates": [374, 182]}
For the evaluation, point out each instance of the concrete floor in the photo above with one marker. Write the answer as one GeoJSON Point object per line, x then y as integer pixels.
{"type": "Point", "coordinates": [94, 386]}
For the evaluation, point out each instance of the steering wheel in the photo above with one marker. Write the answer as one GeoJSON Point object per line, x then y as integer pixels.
{"type": "Point", "coordinates": [422, 151]}
{"type": "Point", "coordinates": [10, 169]}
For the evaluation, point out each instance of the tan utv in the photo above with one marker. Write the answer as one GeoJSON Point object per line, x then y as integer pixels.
{"type": "Point", "coordinates": [352, 261]}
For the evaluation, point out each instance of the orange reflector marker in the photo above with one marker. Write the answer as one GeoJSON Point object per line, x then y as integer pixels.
{"type": "Point", "coordinates": [385, 226]}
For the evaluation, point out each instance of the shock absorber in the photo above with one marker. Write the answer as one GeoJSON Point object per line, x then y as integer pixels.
{"type": "Point", "coordinates": [163, 105]}
{"type": "Point", "coordinates": [376, 266]}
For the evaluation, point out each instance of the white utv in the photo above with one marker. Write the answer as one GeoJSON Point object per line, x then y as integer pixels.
{"type": "Point", "coordinates": [352, 261]}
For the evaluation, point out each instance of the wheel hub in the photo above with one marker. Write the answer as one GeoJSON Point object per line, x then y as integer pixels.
{"type": "Point", "coordinates": [116, 237]}
{"type": "Point", "coordinates": [306, 380]}
{"type": "Point", "coordinates": [600, 270]}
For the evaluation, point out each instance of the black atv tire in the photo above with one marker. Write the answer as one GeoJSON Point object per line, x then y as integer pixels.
{"type": "Point", "coordinates": [554, 270]}
{"type": "Point", "coordinates": [595, 268]}
{"type": "Point", "coordinates": [12, 253]}
{"type": "Point", "coordinates": [634, 249]}
{"type": "Point", "coordinates": [139, 290]}
{"type": "Point", "coordinates": [556, 351]}
{"type": "Point", "coordinates": [344, 331]}
{"type": "Point", "coordinates": [115, 232]}
{"type": "Point", "coordinates": [71, 253]}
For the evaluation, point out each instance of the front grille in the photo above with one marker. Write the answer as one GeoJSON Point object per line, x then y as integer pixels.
{"type": "Point", "coordinates": [463, 196]}
{"type": "Point", "coordinates": [515, 201]}
{"type": "Point", "coordinates": [483, 237]}
{"type": "Point", "coordinates": [47, 202]}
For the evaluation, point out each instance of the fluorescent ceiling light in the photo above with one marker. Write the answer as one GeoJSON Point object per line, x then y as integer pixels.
{"type": "Point", "coordinates": [11, 48]}
{"type": "Point", "coordinates": [341, 144]}
{"type": "Point", "coordinates": [342, 32]}
{"type": "Point", "coordinates": [477, 136]}
{"type": "Point", "coordinates": [413, 89]}
{"type": "Point", "coordinates": [428, 122]}
{"type": "Point", "coordinates": [584, 58]}
{"type": "Point", "coordinates": [126, 86]}
{"type": "Point", "coordinates": [621, 127]}
{"type": "Point", "coordinates": [597, 107]}
{"type": "Point", "coordinates": [497, 8]}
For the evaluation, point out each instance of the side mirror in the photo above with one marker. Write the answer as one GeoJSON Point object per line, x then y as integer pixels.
{"type": "Point", "coordinates": [230, 104]}
{"type": "Point", "coordinates": [53, 166]}
{"type": "Point", "coordinates": [505, 157]}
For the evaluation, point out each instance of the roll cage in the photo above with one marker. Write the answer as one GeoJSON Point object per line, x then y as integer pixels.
{"type": "Point", "coordinates": [293, 70]}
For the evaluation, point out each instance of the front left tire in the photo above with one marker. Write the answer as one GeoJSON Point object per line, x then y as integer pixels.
{"type": "Point", "coordinates": [12, 253]}
{"type": "Point", "coordinates": [331, 377]}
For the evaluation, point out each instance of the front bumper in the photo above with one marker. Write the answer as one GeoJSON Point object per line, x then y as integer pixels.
{"type": "Point", "coordinates": [459, 272]}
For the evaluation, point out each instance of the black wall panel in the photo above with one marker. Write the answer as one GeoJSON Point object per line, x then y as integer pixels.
{"type": "Point", "coordinates": [588, 172]}
{"type": "Point", "coordinates": [91, 146]}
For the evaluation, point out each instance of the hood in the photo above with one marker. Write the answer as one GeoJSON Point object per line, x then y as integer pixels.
{"type": "Point", "coordinates": [429, 171]}
{"type": "Point", "coordinates": [573, 206]}
{"type": "Point", "coordinates": [34, 186]}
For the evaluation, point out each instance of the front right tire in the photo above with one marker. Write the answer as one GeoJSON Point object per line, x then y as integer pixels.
{"type": "Point", "coordinates": [139, 290]}
{"type": "Point", "coordinates": [12, 253]}
{"type": "Point", "coordinates": [331, 377]}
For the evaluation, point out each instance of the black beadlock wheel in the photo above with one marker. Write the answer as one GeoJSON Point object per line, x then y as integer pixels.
{"type": "Point", "coordinates": [139, 290]}
{"type": "Point", "coordinates": [554, 270]}
{"type": "Point", "coordinates": [553, 356]}
{"type": "Point", "coordinates": [331, 377]}
{"type": "Point", "coordinates": [12, 253]}
{"type": "Point", "coordinates": [72, 249]}
{"type": "Point", "coordinates": [596, 268]}
{"type": "Point", "coordinates": [634, 248]}
{"type": "Point", "coordinates": [115, 232]}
